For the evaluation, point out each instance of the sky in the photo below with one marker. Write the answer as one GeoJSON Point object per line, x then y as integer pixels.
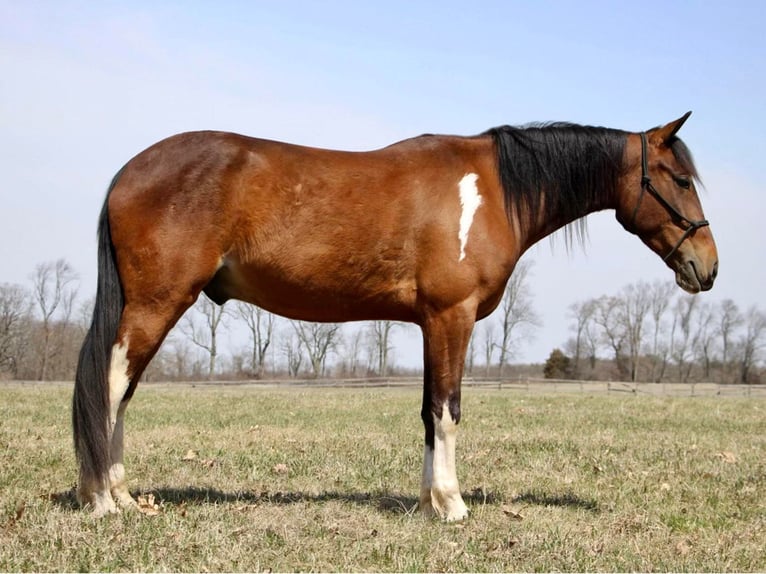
{"type": "Point", "coordinates": [84, 86]}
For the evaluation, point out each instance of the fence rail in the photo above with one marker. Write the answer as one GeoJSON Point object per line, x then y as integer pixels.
{"type": "Point", "coordinates": [523, 384]}
{"type": "Point", "coordinates": [519, 384]}
{"type": "Point", "coordinates": [704, 389]}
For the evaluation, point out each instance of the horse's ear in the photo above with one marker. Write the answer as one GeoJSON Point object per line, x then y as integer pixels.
{"type": "Point", "coordinates": [665, 133]}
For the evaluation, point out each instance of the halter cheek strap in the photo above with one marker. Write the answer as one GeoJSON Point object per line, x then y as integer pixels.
{"type": "Point", "coordinates": [688, 225]}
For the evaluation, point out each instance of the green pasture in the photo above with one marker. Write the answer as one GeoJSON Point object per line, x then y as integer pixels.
{"type": "Point", "coordinates": [254, 479]}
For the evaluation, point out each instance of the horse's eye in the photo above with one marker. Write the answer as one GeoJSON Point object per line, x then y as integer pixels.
{"type": "Point", "coordinates": [683, 182]}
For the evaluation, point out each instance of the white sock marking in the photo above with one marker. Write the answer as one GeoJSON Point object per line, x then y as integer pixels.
{"type": "Point", "coordinates": [444, 474]}
{"type": "Point", "coordinates": [470, 200]}
{"type": "Point", "coordinates": [119, 382]}
{"type": "Point", "coordinates": [118, 378]}
{"type": "Point", "coordinates": [445, 490]}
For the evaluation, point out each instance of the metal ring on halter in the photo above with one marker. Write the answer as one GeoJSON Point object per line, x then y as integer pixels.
{"type": "Point", "coordinates": [688, 225]}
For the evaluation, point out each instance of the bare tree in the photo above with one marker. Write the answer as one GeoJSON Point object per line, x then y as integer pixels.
{"type": "Point", "coordinates": [318, 340]}
{"type": "Point", "coordinates": [235, 365]}
{"type": "Point", "coordinates": [729, 320]}
{"type": "Point", "coordinates": [352, 351]}
{"type": "Point", "coordinates": [260, 323]}
{"type": "Point", "coordinates": [293, 351]}
{"type": "Point", "coordinates": [204, 332]}
{"type": "Point", "coordinates": [582, 313]}
{"type": "Point", "coordinates": [52, 292]}
{"type": "Point", "coordinates": [591, 343]}
{"type": "Point", "coordinates": [682, 342]}
{"type": "Point", "coordinates": [83, 314]}
{"type": "Point", "coordinates": [660, 297]}
{"type": "Point", "coordinates": [14, 308]}
{"type": "Point", "coordinates": [488, 345]}
{"type": "Point", "coordinates": [705, 337]}
{"type": "Point", "coordinates": [635, 304]}
{"type": "Point", "coordinates": [517, 314]}
{"type": "Point", "coordinates": [751, 342]}
{"type": "Point", "coordinates": [612, 330]}
{"type": "Point", "coordinates": [379, 335]}
{"type": "Point", "coordinates": [179, 358]}
{"type": "Point", "coordinates": [649, 320]}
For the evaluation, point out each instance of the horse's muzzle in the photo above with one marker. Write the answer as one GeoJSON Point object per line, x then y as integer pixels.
{"type": "Point", "coordinates": [693, 276]}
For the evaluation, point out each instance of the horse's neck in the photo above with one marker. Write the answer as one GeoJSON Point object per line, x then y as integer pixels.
{"type": "Point", "coordinates": [545, 223]}
{"type": "Point", "coordinates": [552, 177]}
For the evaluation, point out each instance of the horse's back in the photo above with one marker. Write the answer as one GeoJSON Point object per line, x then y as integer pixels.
{"type": "Point", "coordinates": [305, 232]}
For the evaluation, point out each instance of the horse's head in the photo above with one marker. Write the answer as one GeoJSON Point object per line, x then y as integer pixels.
{"type": "Point", "coordinates": [659, 203]}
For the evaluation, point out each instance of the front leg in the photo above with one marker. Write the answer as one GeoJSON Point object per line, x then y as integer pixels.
{"type": "Point", "coordinates": [445, 343]}
{"type": "Point", "coordinates": [440, 490]}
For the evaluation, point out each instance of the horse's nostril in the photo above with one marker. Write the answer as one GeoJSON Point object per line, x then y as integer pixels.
{"type": "Point", "coordinates": [714, 274]}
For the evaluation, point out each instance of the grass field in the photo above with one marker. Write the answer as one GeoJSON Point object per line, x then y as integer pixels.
{"type": "Point", "coordinates": [326, 479]}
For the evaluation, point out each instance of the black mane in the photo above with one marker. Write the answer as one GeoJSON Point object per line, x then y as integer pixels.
{"type": "Point", "coordinates": [574, 168]}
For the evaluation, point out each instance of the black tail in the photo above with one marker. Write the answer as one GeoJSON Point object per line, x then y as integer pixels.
{"type": "Point", "coordinates": [90, 404]}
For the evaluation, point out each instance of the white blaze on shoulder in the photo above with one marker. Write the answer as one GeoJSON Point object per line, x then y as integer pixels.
{"type": "Point", "coordinates": [470, 200]}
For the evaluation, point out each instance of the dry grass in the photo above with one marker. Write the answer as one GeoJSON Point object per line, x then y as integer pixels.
{"type": "Point", "coordinates": [325, 479]}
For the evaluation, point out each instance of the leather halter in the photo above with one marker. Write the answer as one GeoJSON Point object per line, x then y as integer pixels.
{"type": "Point", "coordinates": [688, 225]}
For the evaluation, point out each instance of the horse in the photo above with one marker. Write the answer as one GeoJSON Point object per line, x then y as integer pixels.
{"type": "Point", "coordinates": [427, 231]}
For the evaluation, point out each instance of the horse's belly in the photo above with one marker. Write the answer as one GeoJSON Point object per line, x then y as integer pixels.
{"type": "Point", "coordinates": [313, 291]}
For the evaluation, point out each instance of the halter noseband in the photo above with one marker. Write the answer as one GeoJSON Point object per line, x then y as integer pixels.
{"type": "Point", "coordinates": [688, 225]}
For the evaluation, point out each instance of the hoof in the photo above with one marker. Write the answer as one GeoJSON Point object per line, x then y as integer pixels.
{"type": "Point", "coordinates": [456, 515]}
{"type": "Point", "coordinates": [124, 500]}
{"type": "Point", "coordinates": [101, 510]}
{"type": "Point", "coordinates": [99, 503]}
{"type": "Point", "coordinates": [453, 509]}
{"type": "Point", "coordinates": [426, 509]}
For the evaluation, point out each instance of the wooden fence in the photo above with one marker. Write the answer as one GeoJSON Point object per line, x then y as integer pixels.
{"type": "Point", "coordinates": [519, 384]}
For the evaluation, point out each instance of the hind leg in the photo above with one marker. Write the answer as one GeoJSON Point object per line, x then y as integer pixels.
{"type": "Point", "coordinates": [121, 377]}
{"type": "Point", "coordinates": [95, 491]}
{"type": "Point", "coordinates": [142, 330]}
{"type": "Point", "coordinates": [117, 484]}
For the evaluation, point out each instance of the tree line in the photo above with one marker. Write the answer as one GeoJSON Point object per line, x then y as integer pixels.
{"type": "Point", "coordinates": [645, 332]}
{"type": "Point", "coordinates": [654, 332]}
{"type": "Point", "coordinates": [42, 326]}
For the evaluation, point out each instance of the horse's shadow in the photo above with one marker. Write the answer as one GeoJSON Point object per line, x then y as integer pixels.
{"type": "Point", "coordinates": [383, 501]}
{"type": "Point", "coordinates": [388, 502]}
{"type": "Point", "coordinates": [564, 500]}
{"type": "Point", "coordinates": [198, 496]}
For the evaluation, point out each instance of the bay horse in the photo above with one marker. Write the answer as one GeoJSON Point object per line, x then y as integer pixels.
{"type": "Point", "coordinates": [427, 230]}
